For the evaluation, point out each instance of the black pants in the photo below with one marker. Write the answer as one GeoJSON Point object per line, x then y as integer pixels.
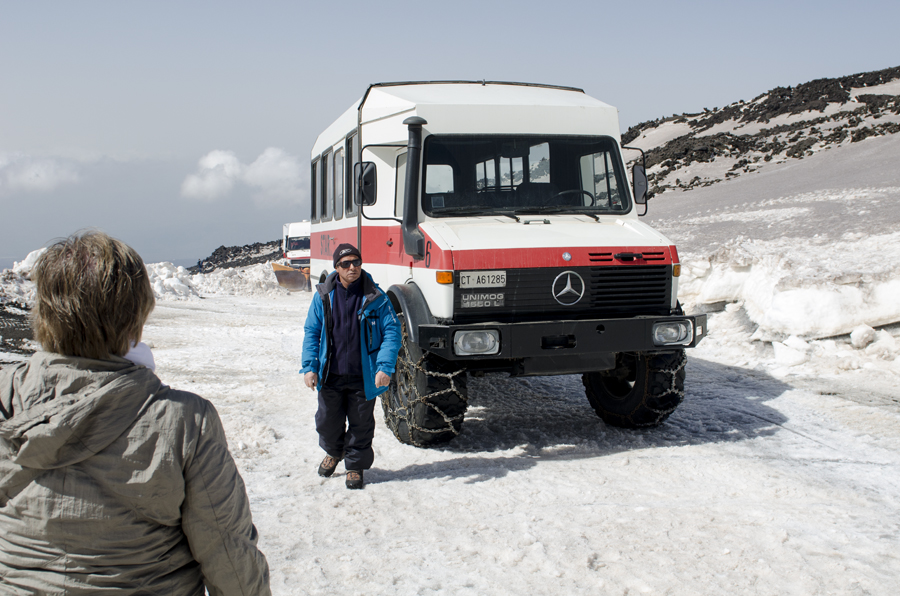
{"type": "Point", "coordinates": [342, 399]}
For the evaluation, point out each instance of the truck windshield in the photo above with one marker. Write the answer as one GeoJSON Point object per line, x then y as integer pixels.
{"type": "Point", "coordinates": [298, 244]}
{"type": "Point", "coordinates": [471, 175]}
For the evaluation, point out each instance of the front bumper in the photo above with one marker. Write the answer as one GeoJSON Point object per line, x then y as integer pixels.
{"type": "Point", "coordinates": [560, 341]}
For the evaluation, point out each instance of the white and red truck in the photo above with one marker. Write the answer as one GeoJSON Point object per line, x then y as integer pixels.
{"type": "Point", "coordinates": [293, 272]}
{"type": "Point", "coordinates": [499, 219]}
{"type": "Point", "coordinates": [295, 243]}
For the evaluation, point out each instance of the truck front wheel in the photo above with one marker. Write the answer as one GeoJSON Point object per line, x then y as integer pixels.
{"type": "Point", "coordinates": [642, 390]}
{"type": "Point", "coordinates": [427, 400]}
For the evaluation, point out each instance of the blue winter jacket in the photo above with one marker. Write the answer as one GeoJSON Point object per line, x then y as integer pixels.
{"type": "Point", "coordinates": [379, 333]}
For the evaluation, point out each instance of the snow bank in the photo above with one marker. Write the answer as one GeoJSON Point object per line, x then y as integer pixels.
{"type": "Point", "coordinates": [168, 281]}
{"type": "Point", "coordinates": [865, 356]}
{"type": "Point", "coordinates": [24, 268]}
{"type": "Point", "coordinates": [255, 280]}
{"type": "Point", "coordinates": [15, 284]}
{"type": "Point", "coordinates": [177, 283]}
{"type": "Point", "coordinates": [819, 290]}
{"type": "Point", "coordinates": [171, 283]}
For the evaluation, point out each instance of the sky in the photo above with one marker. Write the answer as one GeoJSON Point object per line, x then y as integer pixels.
{"type": "Point", "coordinates": [179, 127]}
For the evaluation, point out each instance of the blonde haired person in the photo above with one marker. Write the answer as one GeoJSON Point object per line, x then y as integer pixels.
{"type": "Point", "coordinates": [110, 481]}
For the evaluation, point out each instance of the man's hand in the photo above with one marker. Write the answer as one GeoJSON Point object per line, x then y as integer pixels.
{"type": "Point", "coordinates": [382, 379]}
{"type": "Point", "coordinates": [311, 379]}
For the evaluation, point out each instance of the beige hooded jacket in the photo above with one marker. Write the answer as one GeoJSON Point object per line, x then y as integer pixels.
{"type": "Point", "coordinates": [112, 483]}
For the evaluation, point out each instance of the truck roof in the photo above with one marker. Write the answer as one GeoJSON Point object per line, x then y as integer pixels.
{"type": "Point", "coordinates": [298, 229]}
{"type": "Point", "coordinates": [481, 93]}
{"type": "Point", "coordinates": [478, 107]}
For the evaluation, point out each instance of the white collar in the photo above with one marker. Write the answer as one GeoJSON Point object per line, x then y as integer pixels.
{"type": "Point", "coordinates": [141, 354]}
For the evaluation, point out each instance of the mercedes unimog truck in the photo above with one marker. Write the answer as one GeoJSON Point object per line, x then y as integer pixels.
{"type": "Point", "coordinates": [500, 221]}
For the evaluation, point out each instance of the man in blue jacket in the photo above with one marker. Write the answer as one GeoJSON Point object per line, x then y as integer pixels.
{"type": "Point", "coordinates": [350, 347]}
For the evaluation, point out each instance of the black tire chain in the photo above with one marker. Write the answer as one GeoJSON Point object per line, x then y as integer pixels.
{"type": "Point", "coordinates": [672, 375]}
{"type": "Point", "coordinates": [424, 398]}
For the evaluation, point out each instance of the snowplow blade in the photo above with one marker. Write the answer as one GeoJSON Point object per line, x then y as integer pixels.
{"type": "Point", "coordinates": [292, 279]}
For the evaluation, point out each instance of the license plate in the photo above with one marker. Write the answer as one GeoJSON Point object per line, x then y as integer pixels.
{"type": "Point", "coordinates": [482, 279]}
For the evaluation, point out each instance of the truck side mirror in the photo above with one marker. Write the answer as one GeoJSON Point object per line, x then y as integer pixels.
{"type": "Point", "coordinates": [639, 184]}
{"type": "Point", "coordinates": [366, 183]}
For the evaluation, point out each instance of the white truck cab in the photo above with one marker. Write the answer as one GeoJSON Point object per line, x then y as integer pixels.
{"type": "Point", "coordinates": [295, 243]}
{"type": "Point", "coordinates": [499, 219]}
{"type": "Point", "coordinates": [293, 270]}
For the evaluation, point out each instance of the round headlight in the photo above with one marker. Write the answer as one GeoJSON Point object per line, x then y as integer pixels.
{"type": "Point", "coordinates": [672, 333]}
{"type": "Point", "coordinates": [481, 341]}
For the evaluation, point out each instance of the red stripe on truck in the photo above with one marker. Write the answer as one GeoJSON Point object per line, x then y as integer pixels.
{"type": "Point", "coordinates": [384, 244]}
{"type": "Point", "coordinates": [580, 256]}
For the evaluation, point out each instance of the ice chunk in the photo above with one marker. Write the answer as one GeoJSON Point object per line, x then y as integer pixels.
{"type": "Point", "coordinates": [884, 346]}
{"type": "Point", "coordinates": [788, 356]}
{"type": "Point", "coordinates": [23, 268]}
{"type": "Point", "coordinates": [862, 336]}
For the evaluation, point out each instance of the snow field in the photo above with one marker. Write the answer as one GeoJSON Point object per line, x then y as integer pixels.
{"type": "Point", "coordinates": [771, 478]}
{"type": "Point", "coordinates": [752, 486]}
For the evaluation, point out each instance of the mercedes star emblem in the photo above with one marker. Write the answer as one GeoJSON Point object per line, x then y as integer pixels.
{"type": "Point", "coordinates": [568, 288]}
{"type": "Point", "coordinates": [567, 256]}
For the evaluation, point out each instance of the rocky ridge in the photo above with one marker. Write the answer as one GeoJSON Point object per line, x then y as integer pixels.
{"type": "Point", "coordinates": [229, 257]}
{"type": "Point", "coordinates": [16, 336]}
{"type": "Point", "coordinates": [691, 150]}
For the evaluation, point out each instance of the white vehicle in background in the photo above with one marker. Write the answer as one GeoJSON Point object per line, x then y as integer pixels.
{"type": "Point", "coordinates": [499, 220]}
{"type": "Point", "coordinates": [293, 273]}
{"type": "Point", "coordinates": [295, 243]}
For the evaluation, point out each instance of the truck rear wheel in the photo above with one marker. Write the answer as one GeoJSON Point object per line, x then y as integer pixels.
{"type": "Point", "coordinates": [643, 389]}
{"type": "Point", "coordinates": [427, 400]}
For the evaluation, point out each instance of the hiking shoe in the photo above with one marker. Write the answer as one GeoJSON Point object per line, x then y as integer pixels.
{"type": "Point", "coordinates": [326, 468]}
{"type": "Point", "coordinates": [354, 479]}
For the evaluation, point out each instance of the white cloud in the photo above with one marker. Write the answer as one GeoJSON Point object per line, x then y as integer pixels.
{"type": "Point", "coordinates": [216, 174]}
{"type": "Point", "coordinates": [19, 172]}
{"type": "Point", "coordinates": [275, 176]}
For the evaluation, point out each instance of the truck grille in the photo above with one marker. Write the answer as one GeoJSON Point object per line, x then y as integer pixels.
{"type": "Point", "coordinates": [609, 291]}
{"type": "Point", "coordinates": [630, 287]}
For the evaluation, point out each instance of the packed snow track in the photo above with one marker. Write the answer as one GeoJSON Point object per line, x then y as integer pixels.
{"type": "Point", "coordinates": [755, 485]}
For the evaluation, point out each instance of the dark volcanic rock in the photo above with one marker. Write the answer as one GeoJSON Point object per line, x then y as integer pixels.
{"type": "Point", "coordinates": [812, 96]}
{"type": "Point", "coordinates": [813, 130]}
{"type": "Point", "coordinates": [15, 330]}
{"type": "Point", "coordinates": [228, 257]}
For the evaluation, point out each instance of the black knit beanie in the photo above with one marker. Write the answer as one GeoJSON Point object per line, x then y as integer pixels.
{"type": "Point", "coordinates": [343, 250]}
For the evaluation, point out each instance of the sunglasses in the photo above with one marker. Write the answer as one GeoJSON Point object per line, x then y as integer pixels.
{"type": "Point", "coordinates": [350, 263]}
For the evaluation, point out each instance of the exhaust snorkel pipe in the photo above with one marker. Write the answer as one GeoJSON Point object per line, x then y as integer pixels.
{"type": "Point", "coordinates": [413, 239]}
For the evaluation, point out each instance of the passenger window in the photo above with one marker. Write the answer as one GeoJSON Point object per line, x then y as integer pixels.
{"type": "Point", "coordinates": [485, 175]}
{"type": "Point", "coordinates": [598, 177]}
{"type": "Point", "coordinates": [400, 185]}
{"type": "Point", "coordinates": [314, 199]}
{"type": "Point", "coordinates": [510, 172]}
{"type": "Point", "coordinates": [438, 179]}
{"type": "Point", "coordinates": [352, 159]}
{"type": "Point", "coordinates": [539, 163]}
{"type": "Point", "coordinates": [339, 184]}
{"type": "Point", "coordinates": [327, 189]}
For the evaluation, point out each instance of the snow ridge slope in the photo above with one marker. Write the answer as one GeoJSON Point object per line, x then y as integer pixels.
{"type": "Point", "coordinates": [697, 150]}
